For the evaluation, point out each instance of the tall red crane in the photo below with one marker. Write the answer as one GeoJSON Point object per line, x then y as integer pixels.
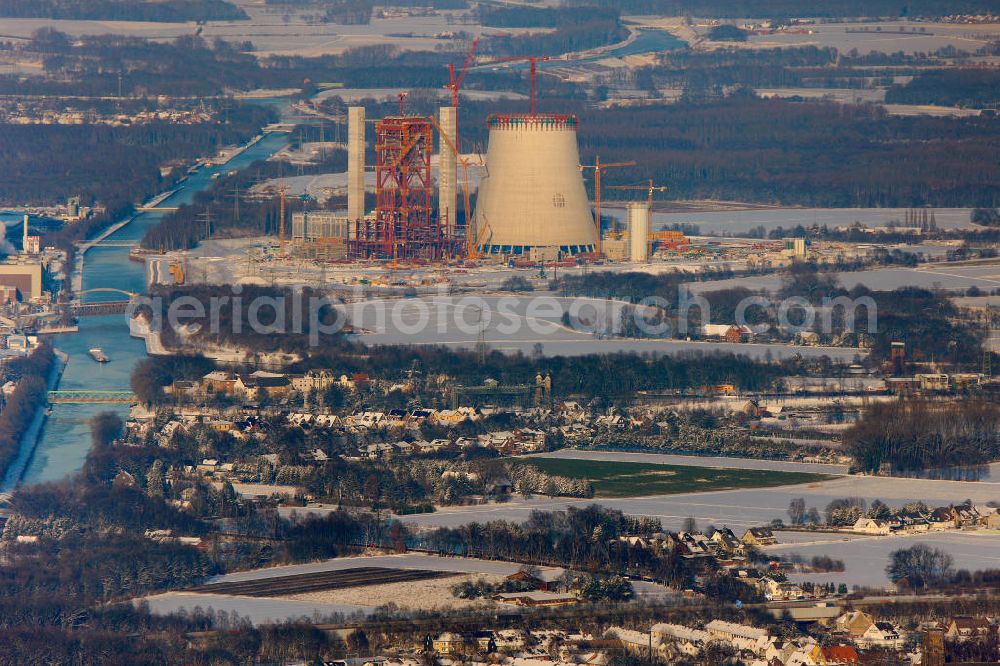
{"type": "Point", "coordinates": [456, 82]}
{"type": "Point", "coordinates": [534, 60]}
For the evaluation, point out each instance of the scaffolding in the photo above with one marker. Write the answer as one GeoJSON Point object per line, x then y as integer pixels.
{"type": "Point", "coordinates": [405, 225]}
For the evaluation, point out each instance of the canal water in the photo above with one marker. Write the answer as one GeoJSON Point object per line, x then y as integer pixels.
{"type": "Point", "coordinates": [66, 438]}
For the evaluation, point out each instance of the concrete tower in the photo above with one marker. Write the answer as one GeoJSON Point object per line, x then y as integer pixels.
{"type": "Point", "coordinates": [533, 195]}
{"type": "Point", "coordinates": [447, 175]}
{"type": "Point", "coordinates": [638, 231]}
{"type": "Point", "coordinates": [24, 237]}
{"type": "Point", "coordinates": [355, 164]}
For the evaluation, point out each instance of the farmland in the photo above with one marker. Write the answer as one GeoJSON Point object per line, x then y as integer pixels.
{"type": "Point", "coordinates": [629, 479]}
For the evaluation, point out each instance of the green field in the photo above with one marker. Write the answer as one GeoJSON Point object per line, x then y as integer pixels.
{"type": "Point", "coordinates": [626, 479]}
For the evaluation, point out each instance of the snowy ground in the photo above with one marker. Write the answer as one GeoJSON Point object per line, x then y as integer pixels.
{"type": "Point", "coordinates": [359, 600]}
{"type": "Point", "coordinates": [866, 557]}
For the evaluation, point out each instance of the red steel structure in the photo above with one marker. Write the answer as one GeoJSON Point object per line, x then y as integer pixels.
{"type": "Point", "coordinates": [405, 225]}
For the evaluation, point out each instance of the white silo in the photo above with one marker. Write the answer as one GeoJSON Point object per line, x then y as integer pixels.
{"type": "Point", "coordinates": [533, 194]}
{"type": "Point", "coordinates": [638, 231]}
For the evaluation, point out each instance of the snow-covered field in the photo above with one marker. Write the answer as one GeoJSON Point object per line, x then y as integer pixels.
{"type": "Point", "coordinates": [866, 557]}
{"type": "Point", "coordinates": [358, 600]}
{"type": "Point", "coordinates": [738, 509]}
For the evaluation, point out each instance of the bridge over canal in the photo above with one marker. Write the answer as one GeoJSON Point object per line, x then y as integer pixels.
{"type": "Point", "coordinates": [85, 397]}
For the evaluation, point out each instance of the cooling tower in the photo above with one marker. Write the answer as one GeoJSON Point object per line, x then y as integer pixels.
{"type": "Point", "coordinates": [638, 231]}
{"type": "Point", "coordinates": [447, 175]}
{"type": "Point", "coordinates": [533, 194]}
{"type": "Point", "coordinates": [355, 163]}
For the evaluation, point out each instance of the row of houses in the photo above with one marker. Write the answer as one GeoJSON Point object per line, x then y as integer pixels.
{"type": "Point", "coordinates": [961, 516]}
{"type": "Point", "coordinates": [722, 542]}
{"type": "Point", "coordinates": [755, 645]}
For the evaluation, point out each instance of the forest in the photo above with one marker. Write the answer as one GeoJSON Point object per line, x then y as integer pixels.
{"type": "Point", "coordinates": [30, 394]}
{"type": "Point", "coordinates": [109, 165]}
{"type": "Point", "coordinates": [910, 436]}
{"type": "Point", "coordinates": [976, 87]}
{"type": "Point", "coordinates": [174, 11]}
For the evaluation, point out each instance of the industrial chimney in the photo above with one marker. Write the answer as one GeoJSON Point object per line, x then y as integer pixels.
{"type": "Point", "coordinates": [447, 175]}
{"type": "Point", "coordinates": [355, 165]}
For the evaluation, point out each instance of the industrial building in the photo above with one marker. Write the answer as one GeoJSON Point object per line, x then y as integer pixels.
{"type": "Point", "coordinates": [320, 234]}
{"type": "Point", "coordinates": [533, 197]}
{"type": "Point", "coordinates": [25, 277]}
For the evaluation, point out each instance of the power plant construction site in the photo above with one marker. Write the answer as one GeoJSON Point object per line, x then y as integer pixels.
{"type": "Point", "coordinates": [531, 211]}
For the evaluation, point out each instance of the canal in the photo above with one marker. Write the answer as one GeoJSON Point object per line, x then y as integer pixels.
{"type": "Point", "coordinates": [66, 437]}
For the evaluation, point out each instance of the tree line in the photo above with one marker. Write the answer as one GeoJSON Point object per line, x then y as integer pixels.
{"type": "Point", "coordinates": [977, 87]}
{"type": "Point", "coordinates": [30, 394]}
{"type": "Point", "coordinates": [791, 9]}
{"type": "Point", "coordinates": [172, 11]}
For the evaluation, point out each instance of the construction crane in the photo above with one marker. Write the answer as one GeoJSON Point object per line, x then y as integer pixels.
{"type": "Point", "coordinates": [650, 188]}
{"type": "Point", "coordinates": [471, 239]}
{"type": "Point", "coordinates": [598, 167]}
{"type": "Point", "coordinates": [534, 60]}
{"type": "Point", "coordinates": [281, 214]}
{"type": "Point", "coordinates": [456, 82]}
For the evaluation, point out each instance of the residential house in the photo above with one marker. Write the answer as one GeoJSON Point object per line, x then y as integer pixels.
{"type": "Point", "coordinates": [780, 590]}
{"type": "Point", "coordinates": [449, 643]}
{"type": "Point", "coordinates": [312, 380]}
{"type": "Point", "coordinates": [728, 542]}
{"type": "Point", "coordinates": [688, 641]}
{"type": "Point", "coordinates": [966, 515]}
{"type": "Point", "coordinates": [880, 634]}
{"type": "Point", "coordinates": [696, 545]}
{"type": "Point", "coordinates": [991, 520]}
{"type": "Point", "coordinates": [854, 623]}
{"type": "Point", "coordinates": [219, 382]}
{"type": "Point", "coordinates": [943, 518]}
{"type": "Point", "coordinates": [912, 521]}
{"type": "Point", "coordinates": [872, 526]}
{"type": "Point", "coordinates": [758, 536]}
{"type": "Point", "coordinates": [966, 627]}
{"type": "Point", "coordinates": [741, 636]}
{"type": "Point", "coordinates": [530, 440]}
{"type": "Point", "coordinates": [840, 654]}
{"type": "Point", "coordinates": [272, 384]}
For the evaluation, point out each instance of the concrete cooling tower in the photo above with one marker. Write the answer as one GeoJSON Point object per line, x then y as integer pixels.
{"type": "Point", "coordinates": [533, 194]}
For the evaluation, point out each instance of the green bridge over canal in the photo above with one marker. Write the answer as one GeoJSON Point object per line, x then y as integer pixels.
{"type": "Point", "coordinates": [90, 397]}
